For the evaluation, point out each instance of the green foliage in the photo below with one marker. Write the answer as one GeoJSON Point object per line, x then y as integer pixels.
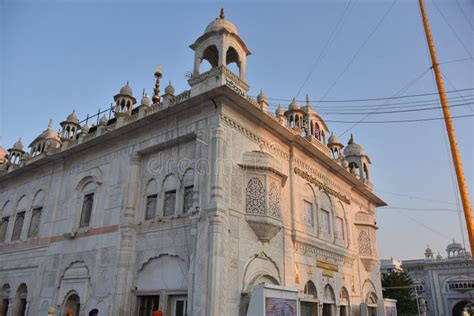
{"type": "Point", "coordinates": [406, 302]}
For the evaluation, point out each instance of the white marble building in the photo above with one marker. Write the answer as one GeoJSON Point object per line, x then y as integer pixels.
{"type": "Point", "coordinates": [184, 203]}
{"type": "Point", "coordinates": [445, 284]}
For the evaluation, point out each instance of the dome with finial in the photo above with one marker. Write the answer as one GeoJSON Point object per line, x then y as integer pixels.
{"type": "Point", "coordinates": [454, 246]}
{"type": "Point", "coordinates": [126, 90]}
{"type": "Point", "coordinates": [294, 105]}
{"type": "Point", "coordinates": [18, 145]}
{"type": "Point", "coordinates": [262, 97]}
{"type": "Point", "coordinates": [280, 111]}
{"type": "Point", "coordinates": [72, 118]}
{"type": "Point", "coordinates": [353, 149]}
{"type": "Point", "coordinates": [333, 140]}
{"type": "Point", "coordinates": [146, 101]}
{"type": "Point", "coordinates": [439, 257]}
{"type": "Point", "coordinates": [169, 89]}
{"type": "Point", "coordinates": [103, 121]}
{"type": "Point", "coordinates": [428, 250]}
{"type": "Point", "coordinates": [221, 23]}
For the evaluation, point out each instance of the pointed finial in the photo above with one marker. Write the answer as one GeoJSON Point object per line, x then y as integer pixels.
{"type": "Point", "coordinates": [143, 93]}
{"type": "Point", "coordinates": [156, 90]}
{"type": "Point", "coordinates": [222, 16]}
{"type": "Point", "coordinates": [351, 140]}
{"type": "Point", "coordinates": [50, 123]}
{"type": "Point", "coordinates": [307, 99]}
{"type": "Point", "coordinates": [127, 83]}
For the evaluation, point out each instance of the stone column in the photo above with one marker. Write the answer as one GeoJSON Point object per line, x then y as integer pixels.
{"type": "Point", "coordinates": [126, 254]}
{"type": "Point", "coordinates": [216, 213]}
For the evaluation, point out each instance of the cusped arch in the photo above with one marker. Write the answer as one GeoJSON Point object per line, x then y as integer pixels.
{"type": "Point", "coordinates": [329, 297]}
{"type": "Point", "coordinates": [75, 269]}
{"type": "Point", "coordinates": [344, 297]}
{"type": "Point", "coordinates": [211, 54]}
{"type": "Point", "coordinates": [310, 289]}
{"type": "Point", "coordinates": [260, 266]}
{"type": "Point", "coordinates": [7, 208]}
{"type": "Point", "coordinates": [161, 272]}
{"type": "Point", "coordinates": [38, 199]}
{"type": "Point", "coordinates": [22, 203]}
{"type": "Point", "coordinates": [94, 175]}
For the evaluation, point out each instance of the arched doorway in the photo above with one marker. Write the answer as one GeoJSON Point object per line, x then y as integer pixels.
{"type": "Point", "coordinates": [371, 302]}
{"type": "Point", "coordinates": [309, 300]}
{"type": "Point", "coordinates": [329, 301]}
{"type": "Point", "coordinates": [462, 306]}
{"type": "Point", "coordinates": [21, 294]}
{"type": "Point", "coordinates": [344, 302]}
{"type": "Point", "coordinates": [72, 305]}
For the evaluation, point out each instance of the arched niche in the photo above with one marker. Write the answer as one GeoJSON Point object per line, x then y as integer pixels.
{"type": "Point", "coordinates": [165, 272]}
{"type": "Point", "coordinates": [260, 269]}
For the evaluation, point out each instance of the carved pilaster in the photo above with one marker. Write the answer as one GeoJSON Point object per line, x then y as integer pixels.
{"type": "Point", "coordinates": [126, 253]}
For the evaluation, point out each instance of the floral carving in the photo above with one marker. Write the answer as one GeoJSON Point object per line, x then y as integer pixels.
{"type": "Point", "coordinates": [274, 201]}
{"type": "Point", "coordinates": [255, 197]}
{"type": "Point", "coordinates": [364, 244]}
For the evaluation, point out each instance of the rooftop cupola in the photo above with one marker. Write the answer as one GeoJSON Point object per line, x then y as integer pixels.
{"type": "Point", "coordinates": [315, 125]}
{"type": "Point", "coordinates": [16, 153]}
{"type": "Point", "coordinates": [429, 254]}
{"type": "Point", "coordinates": [70, 127]}
{"type": "Point", "coordinates": [124, 101]}
{"type": "Point", "coordinates": [358, 161]}
{"type": "Point", "coordinates": [220, 45]}
{"type": "Point", "coordinates": [47, 140]}
{"type": "Point", "coordinates": [336, 147]}
{"type": "Point", "coordinates": [295, 115]}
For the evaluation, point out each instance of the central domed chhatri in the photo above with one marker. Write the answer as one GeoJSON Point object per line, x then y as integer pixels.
{"type": "Point", "coordinates": [221, 23]}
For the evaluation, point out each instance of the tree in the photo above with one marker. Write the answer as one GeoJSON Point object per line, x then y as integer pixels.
{"type": "Point", "coordinates": [399, 286]}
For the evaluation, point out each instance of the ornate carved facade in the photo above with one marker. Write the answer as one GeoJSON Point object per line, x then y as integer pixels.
{"type": "Point", "coordinates": [187, 204]}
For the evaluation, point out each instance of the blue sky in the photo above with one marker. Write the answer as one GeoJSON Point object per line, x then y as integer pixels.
{"type": "Point", "coordinates": [56, 56]}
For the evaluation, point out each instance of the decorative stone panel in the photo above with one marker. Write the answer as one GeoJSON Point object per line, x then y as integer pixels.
{"type": "Point", "coordinates": [263, 182]}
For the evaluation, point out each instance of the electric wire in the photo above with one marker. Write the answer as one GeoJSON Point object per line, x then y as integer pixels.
{"type": "Point", "coordinates": [456, 61]}
{"type": "Point", "coordinates": [359, 50]}
{"type": "Point", "coordinates": [374, 99]}
{"type": "Point", "coordinates": [402, 90]}
{"type": "Point", "coordinates": [344, 112]}
{"type": "Point", "coordinates": [452, 85]}
{"type": "Point", "coordinates": [464, 14]}
{"type": "Point", "coordinates": [418, 209]}
{"type": "Point", "coordinates": [398, 105]}
{"type": "Point", "coordinates": [452, 29]}
{"type": "Point", "coordinates": [414, 197]}
{"type": "Point", "coordinates": [424, 225]}
{"type": "Point", "coordinates": [400, 121]}
{"type": "Point", "coordinates": [322, 53]}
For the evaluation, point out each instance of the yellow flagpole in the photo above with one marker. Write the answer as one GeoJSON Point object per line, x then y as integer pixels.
{"type": "Point", "coordinates": [451, 134]}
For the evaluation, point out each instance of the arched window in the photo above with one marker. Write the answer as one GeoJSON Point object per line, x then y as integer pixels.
{"type": "Point", "coordinates": [366, 171]}
{"type": "Point", "coordinates": [325, 214]}
{"type": "Point", "coordinates": [211, 54]}
{"type": "Point", "coordinates": [316, 131]}
{"type": "Point", "coordinates": [188, 190]}
{"type": "Point", "coordinates": [4, 299]}
{"type": "Point", "coordinates": [37, 208]}
{"type": "Point", "coordinates": [19, 218]}
{"type": "Point", "coordinates": [21, 295]}
{"type": "Point", "coordinates": [169, 196]}
{"type": "Point", "coordinates": [255, 197]}
{"type": "Point", "coordinates": [151, 197]}
{"type": "Point", "coordinates": [310, 289]}
{"type": "Point", "coordinates": [232, 60]}
{"type": "Point", "coordinates": [87, 204]}
{"type": "Point", "coordinates": [5, 220]}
